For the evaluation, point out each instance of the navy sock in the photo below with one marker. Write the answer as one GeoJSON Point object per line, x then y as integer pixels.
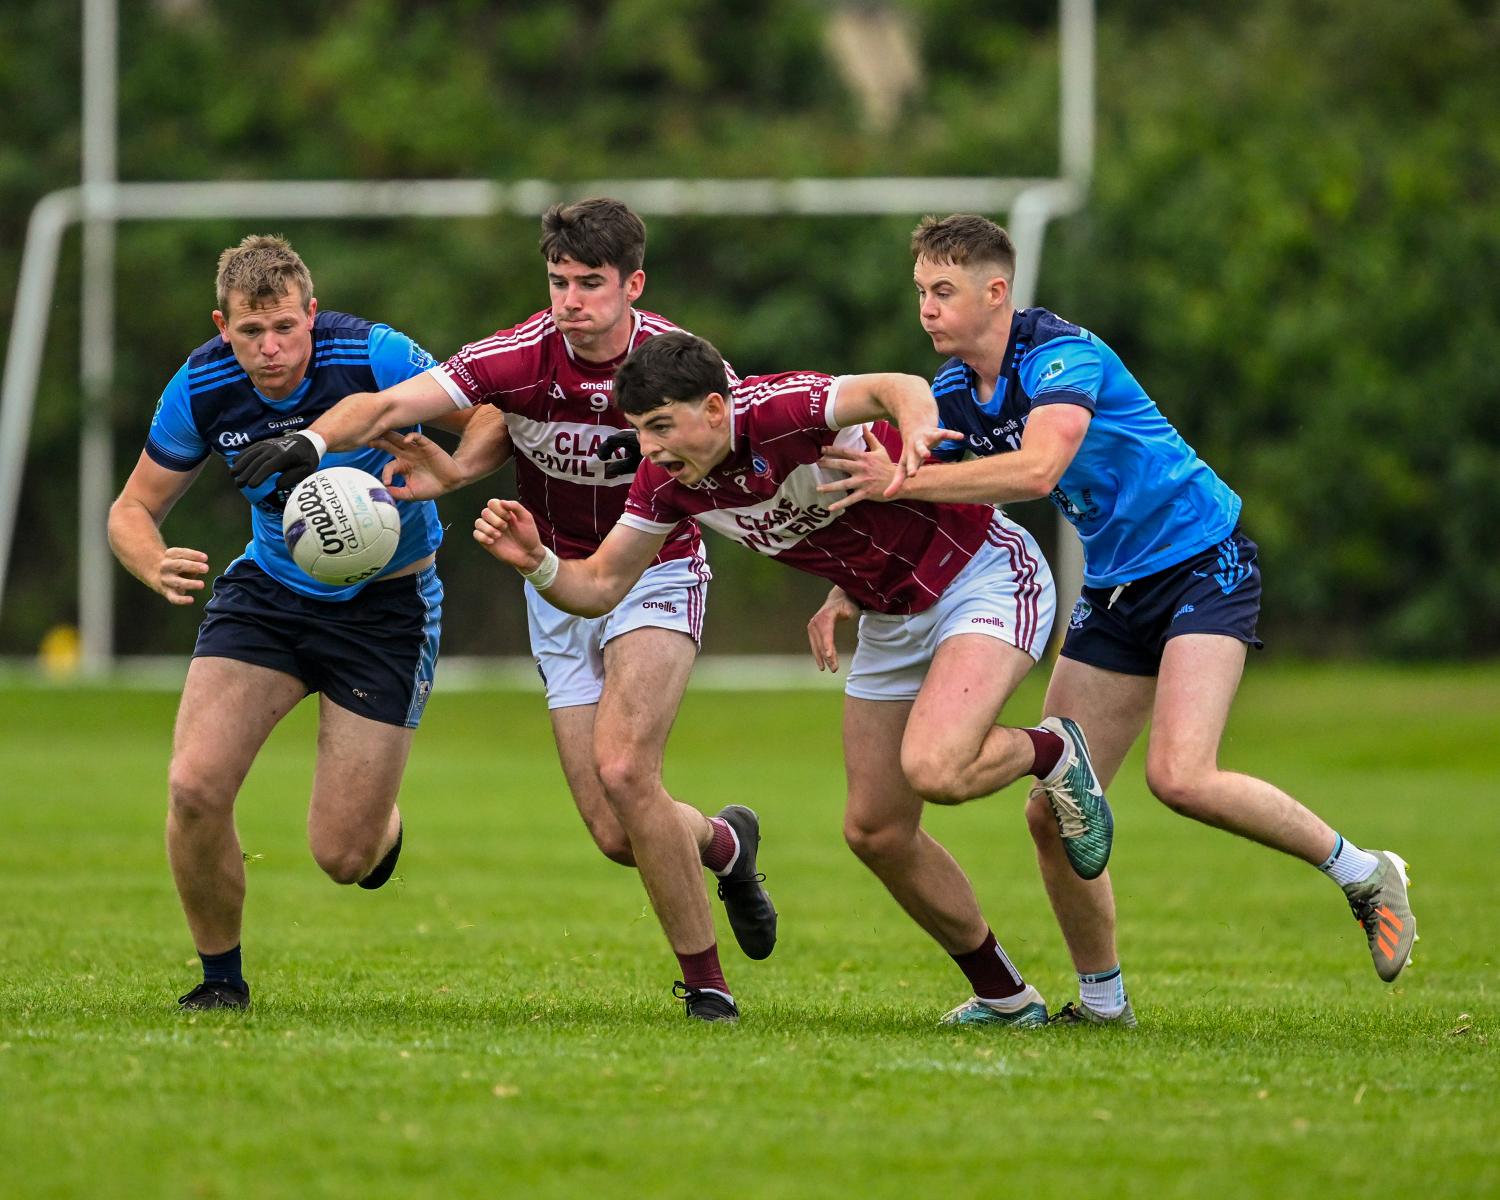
{"type": "Point", "coordinates": [223, 968]}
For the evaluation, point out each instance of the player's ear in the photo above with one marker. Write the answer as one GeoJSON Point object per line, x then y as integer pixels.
{"type": "Point", "coordinates": [635, 284]}
{"type": "Point", "coordinates": [312, 310]}
{"type": "Point", "coordinates": [715, 408]}
{"type": "Point", "coordinates": [222, 324]}
{"type": "Point", "coordinates": [997, 291]}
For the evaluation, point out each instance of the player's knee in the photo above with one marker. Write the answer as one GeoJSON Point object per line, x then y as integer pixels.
{"type": "Point", "coordinates": [626, 779]}
{"type": "Point", "coordinates": [1040, 820]}
{"type": "Point", "coordinates": [343, 864]}
{"type": "Point", "coordinates": [873, 844]}
{"type": "Point", "coordinates": [1177, 786]}
{"type": "Point", "coordinates": [613, 844]}
{"type": "Point", "coordinates": [932, 777]}
{"type": "Point", "coordinates": [194, 796]}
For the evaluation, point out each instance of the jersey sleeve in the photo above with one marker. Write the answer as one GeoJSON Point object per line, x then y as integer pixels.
{"type": "Point", "coordinates": [826, 405]}
{"type": "Point", "coordinates": [1065, 370]}
{"type": "Point", "coordinates": [493, 370]}
{"type": "Point", "coordinates": [950, 388]}
{"type": "Point", "coordinates": [780, 406]}
{"type": "Point", "coordinates": [649, 507]}
{"type": "Point", "coordinates": [173, 441]}
{"type": "Point", "coordinates": [394, 357]}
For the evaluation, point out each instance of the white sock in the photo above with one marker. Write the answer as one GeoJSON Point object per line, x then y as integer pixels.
{"type": "Point", "coordinates": [1348, 863]}
{"type": "Point", "coordinates": [1027, 995]}
{"type": "Point", "coordinates": [1103, 991]}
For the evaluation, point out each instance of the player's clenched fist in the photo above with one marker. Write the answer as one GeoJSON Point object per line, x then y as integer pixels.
{"type": "Point", "coordinates": [180, 574]}
{"type": "Point", "coordinates": [506, 530]}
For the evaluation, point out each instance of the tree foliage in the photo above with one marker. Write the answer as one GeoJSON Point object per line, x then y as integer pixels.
{"type": "Point", "coordinates": [1291, 239]}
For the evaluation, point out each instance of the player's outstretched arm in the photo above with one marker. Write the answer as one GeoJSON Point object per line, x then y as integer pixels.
{"type": "Point", "coordinates": [1053, 435]}
{"type": "Point", "coordinates": [904, 399]}
{"type": "Point", "coordinates": [586, 587]}
{"type": "Point", "coordinates": [354, 421]}
{"type": "Point", "coordinates": [135, 518]}
{"type": "Point", "coordinates": [430, 471]}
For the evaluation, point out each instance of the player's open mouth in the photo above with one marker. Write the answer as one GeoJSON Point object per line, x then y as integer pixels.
{"type": "Point", "coordinates": [673, 466]}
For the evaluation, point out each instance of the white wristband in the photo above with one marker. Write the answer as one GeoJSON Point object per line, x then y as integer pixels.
{"type": "Point", "coordinates": [320, 444]}
{"type": "Point", "coordinates": [543, 576]}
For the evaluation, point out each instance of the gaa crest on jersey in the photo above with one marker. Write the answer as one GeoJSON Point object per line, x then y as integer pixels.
{"type": "Point", "coordinates": [759, 465]}
{"type": "Point", "coordinates": [1082, 611]}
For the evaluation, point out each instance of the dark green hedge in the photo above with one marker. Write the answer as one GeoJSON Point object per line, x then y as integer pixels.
{"type": "Point", "coordinates": [1292, 238]}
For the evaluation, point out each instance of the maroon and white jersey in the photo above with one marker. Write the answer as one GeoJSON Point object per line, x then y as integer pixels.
{"type": "Point", "coordinates": [557, 408]}
{"type": "Point", "coordinates": [894, 558]}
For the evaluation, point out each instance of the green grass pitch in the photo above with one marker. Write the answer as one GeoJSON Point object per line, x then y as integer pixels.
{"type": "Point", "coordinates": [498, 1022]}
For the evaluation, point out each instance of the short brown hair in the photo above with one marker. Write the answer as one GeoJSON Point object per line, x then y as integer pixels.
{"type": "Point", "coordinates": [670, 366]}
{"type": "Point", "coordinates": [597, 232]}
{"type": "Point", "coordinates": [962, 239]}
{"type": "Point", "coordinates": [262, 268]}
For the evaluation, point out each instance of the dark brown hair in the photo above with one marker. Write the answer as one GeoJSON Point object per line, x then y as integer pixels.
{"type": "Point", "coordinates": [597, 232]}
{"type": "Point", "coordinates": [668, 367]}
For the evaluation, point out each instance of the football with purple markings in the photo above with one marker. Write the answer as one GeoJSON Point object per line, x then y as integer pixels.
{"type": "Point", "coordinates": [341, 525]}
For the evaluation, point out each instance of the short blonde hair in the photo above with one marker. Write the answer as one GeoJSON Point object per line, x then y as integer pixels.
{"type": "Point", "coordinates": [962, 240]}
{"type": "Point", "coordinates": [262, 268]}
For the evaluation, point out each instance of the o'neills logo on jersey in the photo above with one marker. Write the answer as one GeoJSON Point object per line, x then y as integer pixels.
{"type": "Point", "coordinates": [590, 385]}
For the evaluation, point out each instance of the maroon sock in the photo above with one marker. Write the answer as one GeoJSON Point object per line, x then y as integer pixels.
{"type": "Point", "coordinates": [990, 973]}
{"type": "Point", "coordinates": [702, 970]}
{"type": "Point", "coordinates": [1048, 749]}
{"type": "Point", "coordinates": [719, 852]}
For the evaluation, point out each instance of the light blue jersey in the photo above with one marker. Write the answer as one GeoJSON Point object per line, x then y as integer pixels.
{"type": "Point", "coordinates": [212, 407]}
{"type": "Point", "coordinates": [1138, 495]}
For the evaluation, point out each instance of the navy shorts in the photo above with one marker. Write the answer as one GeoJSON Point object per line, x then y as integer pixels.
{"type": "Point", "coordinates": [1125, 629]}
{"type": "Point", "coordinates": [373, 654]}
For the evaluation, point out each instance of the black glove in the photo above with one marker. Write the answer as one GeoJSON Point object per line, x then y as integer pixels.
{"type": "Point", "coordinates": [294, 456]}
{"type": "Point", "coordinates": [621, 453]}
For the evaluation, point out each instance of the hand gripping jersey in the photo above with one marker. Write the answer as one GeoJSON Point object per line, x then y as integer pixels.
{"type": "Point", "coordinates": [1139, 496]}
{"type": "Point", "coordinates": [557, 408]}
{"type": "Point", "coordinates": [893, 558]}
{"type": "Point", "coordinates": [212, 407]}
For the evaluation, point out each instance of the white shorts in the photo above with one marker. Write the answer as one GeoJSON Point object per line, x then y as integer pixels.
{"type": "Point", "coordinates": [1005, 592]}
{"type": "Point", "coordinates": [569, 650]}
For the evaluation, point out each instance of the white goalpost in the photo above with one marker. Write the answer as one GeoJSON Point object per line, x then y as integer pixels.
{"type": "Point", "coordinates": [102, 201]}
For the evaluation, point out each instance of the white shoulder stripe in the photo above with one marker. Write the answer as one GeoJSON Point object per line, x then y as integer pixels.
{"type": "Point", "coordinates": [459, 397]}
{"type": "Point", "coordinates": [636, 521]}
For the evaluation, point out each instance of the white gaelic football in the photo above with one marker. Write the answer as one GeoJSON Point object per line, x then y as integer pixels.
{"type": "Point", "coordinates": [341, 525]}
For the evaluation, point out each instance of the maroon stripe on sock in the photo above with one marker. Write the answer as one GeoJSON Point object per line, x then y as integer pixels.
{"type": "Point", "coordinates": [702, 970]}
{"type": "Point", "coordinates": [1048, 749]}
{"type": "Point", "coordinates": [989, 971]}
{"type": "Point", "coordinates": [719, 851]}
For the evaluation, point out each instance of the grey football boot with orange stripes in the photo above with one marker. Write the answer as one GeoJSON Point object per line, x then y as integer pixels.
{"type": "Point", "coordinates": [1380, 905]}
